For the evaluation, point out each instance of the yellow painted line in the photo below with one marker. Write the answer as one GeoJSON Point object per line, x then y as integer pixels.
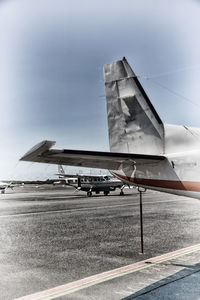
{"type": "Point", "coordinates": [105, 276]}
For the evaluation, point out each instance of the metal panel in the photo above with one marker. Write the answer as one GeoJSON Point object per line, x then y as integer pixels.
{"type": "Point", "coordinates": [134, 126]}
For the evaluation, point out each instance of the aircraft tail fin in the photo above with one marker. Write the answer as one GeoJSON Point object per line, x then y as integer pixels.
{"type": "Point", "coordinates": [134, 125]}
{"type": "Point", "coordinates": [60, 171]}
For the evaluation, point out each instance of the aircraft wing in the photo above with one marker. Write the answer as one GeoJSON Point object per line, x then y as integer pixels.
{"type": "Point", "coordinates": [65, 175]}
{"type": "Point", "coordinates": [80, 175]}
{"type": "Point", "coordinates": [62, 176]}
{"type": "Point", "coordinates": [43, 153]}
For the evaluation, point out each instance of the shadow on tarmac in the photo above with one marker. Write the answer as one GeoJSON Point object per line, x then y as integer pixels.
{"type": "Point", "coordinates": [179, 294]}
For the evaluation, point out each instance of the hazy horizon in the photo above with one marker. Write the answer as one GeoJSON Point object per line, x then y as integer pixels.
{"type": "Point", "coordinates": [51, 77]}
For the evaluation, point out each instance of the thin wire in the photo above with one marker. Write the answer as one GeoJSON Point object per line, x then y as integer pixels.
{"type": "Point", "coordinates": [168, 72]}
{"type": "Point", "coordinates": [146, 77]}
{"type": "Point", "coordinates": [175, 93]}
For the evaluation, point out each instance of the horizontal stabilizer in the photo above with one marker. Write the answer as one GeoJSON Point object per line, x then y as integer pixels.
{"type": "Point", "coordinates": [43, 153]}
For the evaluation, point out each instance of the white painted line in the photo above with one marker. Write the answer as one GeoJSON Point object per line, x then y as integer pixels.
{"type": "Point", "coordinates": [105, 276]}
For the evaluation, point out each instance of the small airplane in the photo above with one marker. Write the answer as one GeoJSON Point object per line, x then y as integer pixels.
{"type": "Point", "coordinates": [3, 187]}
{"type": "Point", "coordinates": [144, 151]}
{"type": "Point", "coordinates": [91, 183]}
{"type": "Point", "coordinates": [6, 185]}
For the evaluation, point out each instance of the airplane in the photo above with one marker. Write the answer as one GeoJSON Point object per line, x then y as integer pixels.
{"type": "Point", "coordinates": [91, 183]}
{"type": "Point", "coordinates": [144, 151]}
{"type": "Point", "coordinates": [5, 185]}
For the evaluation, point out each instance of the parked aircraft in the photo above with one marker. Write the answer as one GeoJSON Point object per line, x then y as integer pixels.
{"type": "Point", "coordinates": [5, 185]}
{"type": "Point", "coordinates": [144, 151]}
{"type": "Point", "coordinates": [91, 183]}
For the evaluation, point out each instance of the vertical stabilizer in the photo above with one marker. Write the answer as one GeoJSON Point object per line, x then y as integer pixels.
{"type": "Point", "coordinates": [134, 125]}
{"type": "Point", "coordinates": [60, 171]}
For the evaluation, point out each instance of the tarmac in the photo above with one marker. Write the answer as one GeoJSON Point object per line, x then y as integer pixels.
{"type": "Point", "coordinates": [59, 244]}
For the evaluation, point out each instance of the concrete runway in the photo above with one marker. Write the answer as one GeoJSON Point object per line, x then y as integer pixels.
{"type": "Point", "coordinates": [51, 236]}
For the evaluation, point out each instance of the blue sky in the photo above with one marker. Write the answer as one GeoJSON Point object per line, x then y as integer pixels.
{"type": "Point", "coordinates": [51, 78]}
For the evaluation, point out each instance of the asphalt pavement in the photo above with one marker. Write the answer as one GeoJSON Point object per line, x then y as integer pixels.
{"type": "Point", "coordinates": [51, 236]}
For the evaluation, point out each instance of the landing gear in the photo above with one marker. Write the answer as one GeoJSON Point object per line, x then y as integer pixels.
{"type": "Point", "coordinates": [122, 191]}
{"type": "Point", "coordinates": [106, 193]}
{"type": "Point", "coordinates": [89, 194]}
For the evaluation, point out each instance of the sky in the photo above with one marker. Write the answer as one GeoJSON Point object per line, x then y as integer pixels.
{"type": "Point", "coordinates": [51, 77]}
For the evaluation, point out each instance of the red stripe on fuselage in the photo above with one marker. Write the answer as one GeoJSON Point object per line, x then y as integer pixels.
{"type": "Point", "coordinates": [192, 186]}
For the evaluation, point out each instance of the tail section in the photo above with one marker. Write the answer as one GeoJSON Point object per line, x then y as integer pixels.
{"type": "Point", "coordinates": [60, 171]}
{"type": "Point", "coordinates": [134, 125]}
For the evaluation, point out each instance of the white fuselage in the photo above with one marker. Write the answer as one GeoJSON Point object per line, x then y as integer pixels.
{"type": "Point", "coordinates": [179, 173]}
